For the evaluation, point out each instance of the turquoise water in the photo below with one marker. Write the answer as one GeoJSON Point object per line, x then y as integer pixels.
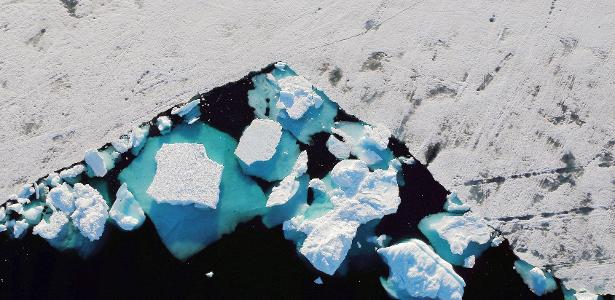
{"type": "Point", "coordinates": [359, 148]}
{"type": "Point", "coordinates": [185, 230]}
{"type": "Point", "coordinates": [280, 164]}
{"type": "Point", "coordinates": [442, 247]}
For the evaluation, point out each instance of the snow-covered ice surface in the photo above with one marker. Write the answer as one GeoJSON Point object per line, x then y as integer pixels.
{"type": "Point", "coordinates": [185, 175]}
{"type": "Point", "coordinates": [259, 141]}
{"type": "Point", "coordinates": [417, 271]}
{"type": "Point", "coordinates": [126, 211]}
{"type": "Point", "coordinates": [528, 85]}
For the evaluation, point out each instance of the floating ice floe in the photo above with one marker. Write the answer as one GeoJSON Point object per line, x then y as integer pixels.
{"type": "Point", "coordinates": [126, 211]}
{"type": "Point", "coordinates": [580, 295]}
{"type": "Point", "coordinates": [469, 262]}
{"type": "Point", "coordinates": [185, 175]}
{"type": "Point", "coordinates": [91, 211]}
{"type": "Point", "coordinates": [164, 124]}
{"type": "Point", "coordinates": [26, 191]}
{"type": "Point", "coordinates": [416, 271]}
{"type": "Point", "coordinates": [456, 237]}
{"type": "Point", "coordinates": [297, 96]}
{"type": "Point", "coordinates": [454, 204]}
{"type": "Point", "coordinates": [210, 274]}
{"type": "Point", "coordinates": [72, 173]}
{"type": "Point", "coordinates": [539, 281]}
{"type": "Point", "coordinates": [357, 196]}
{"type": "Point", "coordinates": [289, 186]}
{"type": "Point", "coordinates": [61, 197]}
{"type": "Point", "coordinates": [259, 141]}
{"type": "Point", "coordinates": [267, 151]}
{"type": "Point", "coordinates": [366, 142]}
{"type": "Point", "coordinates": [338, 148]}
{"type": "Point", "coordinates": [189, 111]}
{"type": "Point", "coordinates": [318, 281]}
{"type": "Point", "coordinates": [122, 144]}
{"type": "Point", "coordinates": [49, 229]}
{"type": "Point", "coordinates": [138, 137]}
{"type": "Point", "coordinates": [98, 162]}
{"type": "Point", "coordinates": [497, 241]}
{"type": "Point", "coordinates": [19, 227]}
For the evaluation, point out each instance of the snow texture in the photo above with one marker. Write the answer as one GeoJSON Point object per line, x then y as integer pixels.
{"type": "Point", "coordinates": [90, 214]}
{"type": "Point", "coordinates": [126, 211]}
{"type": "Point", "coordinates": [288, 187]}
{"type": "Point", "coordinates": [185, 175]}
{"type": "Point", "coordinates": [259, 141]}
{"type": "Point", "coordinates": [486, 102]}
{"type": "Point", "coordinates": [417, 271]}
{"type": "Point", "coordinates": [358, 196]}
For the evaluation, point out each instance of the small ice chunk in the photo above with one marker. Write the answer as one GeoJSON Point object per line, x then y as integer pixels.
{"type": "Point", "coordinates": [23, 200]}
{"type": "Point", "coordinates": [584, 295]}
{"type": "Point", "coordinates": [469, 261]}
{"type": "Point", "coordinates": [376, 135]}
{"type": "Point", "coordinates": [338, 148]}
{"type": "Point", "coordinates": [16, 207]}
{"type": "Point", "coordinates": [189, 111]}
{"type": "Point", "coordinates": [2, 213]}
{"type": "Point", "coordinates": [62, 198]}
{"type": "Point", "coordinates": [20, 227]}
{"type": "Point", "coordinates": [49, 229]}
{"type": "Point", "coordinates": [297, 96]}
{"type": "Point", "coordinates": [33, 214]}
{"type": "Point", "coordinates": [90, 212]}
{"type": "Point", "coordinates": [459, 231]}
{"type": "Point", "coordinates": [3, 227]}
{"type": "Point", "coordinates": [185, 175]}
{"type": "Point", "coordinates": [126, 211]}
{"type": "Point", "coordinates": [164, 124]}
{"type": "Point", "coordinates": [318, 281]}
{"type": "Point", "coordinates": [26, 191]}
{"type": "Point", "coordinates": [210, 274]}
{"type": "Point", "coordinates": [289, 186]}
{"type": "Point", "coordinates": [259, 141]}
{"type": "Point", "coordinates": [96, 162]}
{"type": "Point", "coordinates": [417, 271]}
{"type": "Point", "coordinates": [138, 137]}
{"type": "Point", "coordinates": [280, 65]}
{"type": "Point", "coordinates": [358, 196]}
{"type": "Point", "coordinates": [72, 172]}
{"type": "Point", "coordinates": [122, 144]}
{"type": "Point", "coordinates": [497, 241]}
{"type": "Point", "coordinates": [537, 280]}
{"type": "Point", "coordinates": [53, 179]}
{"type": "Point", "coordinates": [454, 204]}
{"type": "Point", "coordinates": [41, 191]}
{"type": "Point", "coordinates": [379, 240]}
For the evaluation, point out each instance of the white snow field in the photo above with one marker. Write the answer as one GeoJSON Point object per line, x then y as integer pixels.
{"type": "Point", "coordinates": [511, 105]}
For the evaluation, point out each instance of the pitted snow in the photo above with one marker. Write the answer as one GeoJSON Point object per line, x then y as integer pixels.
{"type": "Point", "coordinates": [416, 270]}
{"type": "Point", "coordinates": [358, 197]}
{"type": "Point", "coordinates": [259, 141]}
{"type": "Point", "coordinates": [297, 96]}
{"type": "Point", "coordinates": [185, 175]}
{"type": "Point", "coordinates": [289, 186]}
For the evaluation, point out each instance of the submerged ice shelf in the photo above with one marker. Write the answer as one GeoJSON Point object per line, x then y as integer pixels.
{"type": "Point", "coordinates": [198, 171]}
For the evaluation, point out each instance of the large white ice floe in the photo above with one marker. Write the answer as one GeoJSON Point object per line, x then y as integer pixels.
{"type": "Point", "coordinates": [297, 96]}
{"type": "Point", "coordinates": [259, 141]}
{"type": "Point", "coordinates": [289, 186]}
{"type": "Point", "coordinates": [539, 281]}
{"type": "Point", "coordinates": [185, 175]}
{"type": "Point", "coordinates": [126, 211]}
{"type": "Point", "coordinates": [417, 271]}
{"type": "Point", "coordinates": [357, 196]}
{"type": "Point", "coordinates": [91, 211]}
